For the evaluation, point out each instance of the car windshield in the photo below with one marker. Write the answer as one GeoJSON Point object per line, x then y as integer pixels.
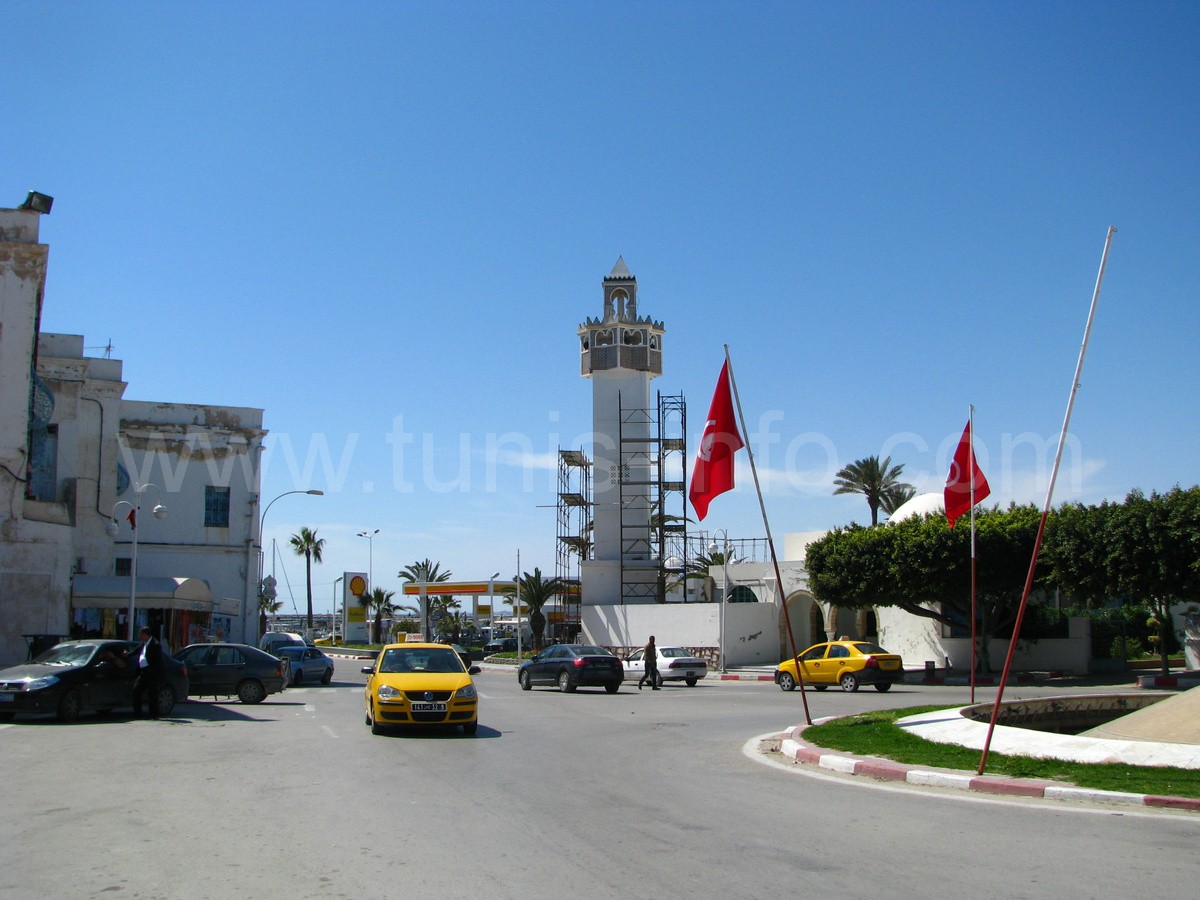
{"type": "Point", "coordinates": [67, 655]}
{"type": "Point", "coordinates": [868, 649]}
{"type": "Point", "coordinates": [673, 652]}
{"type": "Point", "coordinates": [427, 659]}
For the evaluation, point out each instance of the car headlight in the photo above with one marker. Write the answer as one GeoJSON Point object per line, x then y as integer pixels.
{"type": "Point", "coordinates": [465, 693]}
{"type": "Point", "coordinates": [40, 684]}
{"type": "Point", "coordinates": [387, 692]}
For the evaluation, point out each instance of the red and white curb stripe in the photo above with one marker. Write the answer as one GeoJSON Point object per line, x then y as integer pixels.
{"type": "Point", "coordinates": [886, 770]}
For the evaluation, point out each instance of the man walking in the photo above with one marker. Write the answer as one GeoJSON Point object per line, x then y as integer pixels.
{"type": "Point", "coordinates": [650, 658]}
{"type": "Point", "coordinates": [149, 673]}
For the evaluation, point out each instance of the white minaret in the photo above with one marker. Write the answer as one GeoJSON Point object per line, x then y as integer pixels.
{"type": "Point", "coordinates": [620, 352]}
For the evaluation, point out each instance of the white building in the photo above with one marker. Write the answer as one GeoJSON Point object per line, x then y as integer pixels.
{"type": "Point", "coordinates": [73, 455]}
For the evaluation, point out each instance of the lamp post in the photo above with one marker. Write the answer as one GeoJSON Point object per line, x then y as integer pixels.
{"type": "Point", "coordinates": [111, 528]}
{"type": "Point", "coordinates": [492, 605]}
{"type": "Point", "coordinates": [712, 549]}
{"type": "Point", "coordinates": [262, 523]}
{"type": "Point", "coordinates": [370, 536]}
{"type": "Point", "coordinates": [333, 616]}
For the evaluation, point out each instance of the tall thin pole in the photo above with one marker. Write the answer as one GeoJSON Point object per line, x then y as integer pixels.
{"type": "Point", "coordinates": [971, 483]}
{"type": "Point", "coordinates": [1037, 544]}
{"type": "Point", "coordinates": [517, 605]}
{"type": "Point", "coordinates": [137, 514]}
{"type": "Point", "coordinates": [770, 541]}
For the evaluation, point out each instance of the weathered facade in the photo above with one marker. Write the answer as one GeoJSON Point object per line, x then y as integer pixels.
{"type": "Point", "coordinates": [76, 457]}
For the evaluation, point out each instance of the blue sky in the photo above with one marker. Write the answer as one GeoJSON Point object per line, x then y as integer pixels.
{"type": "Point", "coordinates": [372, 219]}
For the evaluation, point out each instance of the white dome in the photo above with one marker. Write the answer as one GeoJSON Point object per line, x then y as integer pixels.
{"type": "Point", "coordinates": [919, 506]}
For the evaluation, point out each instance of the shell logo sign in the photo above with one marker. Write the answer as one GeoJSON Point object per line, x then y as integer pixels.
{"type": "Point", "coordinates": [358, 585]}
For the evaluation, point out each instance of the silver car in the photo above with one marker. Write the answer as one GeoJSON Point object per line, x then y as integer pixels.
{"type": "Point", "coordinates": [674, 664]}
{"type": "Point", "coordinates": [307, 664]}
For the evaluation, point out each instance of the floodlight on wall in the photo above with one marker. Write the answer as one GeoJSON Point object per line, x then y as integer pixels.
{"type": "Point", "coordinates": [39, 203]}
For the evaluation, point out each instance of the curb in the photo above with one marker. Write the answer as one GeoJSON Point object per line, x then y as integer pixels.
{"type": "Point", "coordinates": [886, 770]}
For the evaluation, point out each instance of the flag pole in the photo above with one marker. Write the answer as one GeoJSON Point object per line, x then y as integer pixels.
{"type": "Point", "coordinates": [971, 474]}
{"type": "Point", "coordinates": [1062, 438]}
{"type": "Point", "coordinates": [770, 541]}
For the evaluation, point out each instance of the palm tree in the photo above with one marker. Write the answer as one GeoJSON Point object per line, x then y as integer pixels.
{"type": "Point", "coordinates": [873, 479]}
{"type": "Point", "coordinates": [378, 602]}
{"type": "Point", "coordinates": [424, 570]}
{"type": "Point", "coordinates": [536, 592]}
{"type": "Point", "coordinates": [266, 605]}
{"type": "Point", "coordinates": [308, 545]}
{"type": "Point", "coordinates": [442, 607]}
{"type": "Point", "coordinates": [895, 498]}
{"type": "Point", "coordinates": [700, 568]}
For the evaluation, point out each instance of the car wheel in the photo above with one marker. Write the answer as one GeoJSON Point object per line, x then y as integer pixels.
{"type": "Point", "coordinates": [376, 728]}
{"type": "Point", "coordinates": [526, 681]}
{"type": "Point", "coordinates": [469, 728]}
{"type": "Point", "coordinates": [166, 699]}
{"type": "Point", "coordinates": [327, 677]}
{"type": "Point", "coordinates": [849, 682]}
{"type": "Point", "coordinates": [786, 682]}
{"type": "Point", "coordinates": [70, 706]}
{"type": "Point", "coordinates": [883, 686]}
{"type": "Point", "coordinates": [251, 691]}
{"type": "Point", "coordinates": [564, 682]}
{"type": "Point", "coordinates": [612, 688]}
{"type": "Point", "coordinates": [690, 682]}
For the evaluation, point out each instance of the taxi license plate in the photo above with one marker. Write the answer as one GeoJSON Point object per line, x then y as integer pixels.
{"type": "Point", "coordinates": [429, 707]}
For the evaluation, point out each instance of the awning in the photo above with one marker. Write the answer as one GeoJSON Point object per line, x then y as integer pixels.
{"type": "Point", "coordinates": [153, 592]}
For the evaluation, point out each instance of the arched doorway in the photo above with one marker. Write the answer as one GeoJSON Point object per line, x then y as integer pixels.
{"type": "Point", "coordinates": [807, 620]}
{"type": "Point", "coordinates": [868, 625]}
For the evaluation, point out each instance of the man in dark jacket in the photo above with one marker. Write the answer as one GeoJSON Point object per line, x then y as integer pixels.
{"type": "Point", "coordinates": [149, 673]}
{"type": "Point", "coordinates": [650, 656]}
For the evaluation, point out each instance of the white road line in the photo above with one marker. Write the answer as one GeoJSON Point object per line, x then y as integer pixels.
{"type": "Point", "coordinates": [308, 707]}
{"type": "Point", "coordinates": [329, 731]}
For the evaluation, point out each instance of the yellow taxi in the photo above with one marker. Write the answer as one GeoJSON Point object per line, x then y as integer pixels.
{"type": "Point", "coordinates": [845, 663]}
{"type": "Point", "coordinates": [420, 684]}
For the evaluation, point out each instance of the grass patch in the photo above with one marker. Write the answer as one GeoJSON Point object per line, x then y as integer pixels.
{"type": "Point", "coordinates": [876, 734]}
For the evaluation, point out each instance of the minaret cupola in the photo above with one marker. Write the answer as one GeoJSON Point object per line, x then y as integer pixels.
{"type": "Point", "coordinates": [620, 339]}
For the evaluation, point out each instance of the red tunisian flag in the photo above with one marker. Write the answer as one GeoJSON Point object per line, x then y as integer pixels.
{"type": "Point", "coordinates": [713, 472]}
{"type": "Point", "coordinates": [132, 518]}
{"type": "Point", "coordinates": [958, 494]}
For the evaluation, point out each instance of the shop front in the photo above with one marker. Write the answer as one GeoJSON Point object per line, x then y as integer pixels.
{"type": "Point", "coordinates": [180, 611]}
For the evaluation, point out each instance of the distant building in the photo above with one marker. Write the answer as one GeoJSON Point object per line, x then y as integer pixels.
{"type": "Point", "coordinates": [73, 456]}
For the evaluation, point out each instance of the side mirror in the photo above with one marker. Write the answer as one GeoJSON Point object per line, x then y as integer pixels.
{"type": "Point", "coordinates": [367, 670]}
{"type": "Point", "coordinates": [474, 670]}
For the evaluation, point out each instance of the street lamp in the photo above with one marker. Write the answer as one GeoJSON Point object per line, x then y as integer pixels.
{"type": "Point", "coordinates": [725, 548]}
{"type": "Point", "coordinates": [262, 523]}
{"type": "Point", "coordinates": [111, 528]}
{"type": "Point", "coordinates": [333, 623]}
{"type": "Point", "coordinates": [370, 536]}
{"type": "Point", "coordinates": [492, 605]}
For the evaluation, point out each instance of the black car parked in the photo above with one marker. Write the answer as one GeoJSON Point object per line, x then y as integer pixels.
{"type": "Point", "coordinates": [501, 645]}
{"type": "Point", "coordinates": [76, 676]}
{"type": "Point", "coordinates": [573, 665]}
{"type": "Point", "coordinates": [228, 669]}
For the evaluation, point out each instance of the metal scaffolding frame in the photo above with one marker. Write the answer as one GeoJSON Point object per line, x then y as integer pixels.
{"type": "Point", "coordinates": [574, 530]}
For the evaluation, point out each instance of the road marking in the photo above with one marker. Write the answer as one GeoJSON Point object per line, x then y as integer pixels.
{"type": "Point", "coordinates": [329, 731]}
{"type": "Point", "coordinates": [308, 707]}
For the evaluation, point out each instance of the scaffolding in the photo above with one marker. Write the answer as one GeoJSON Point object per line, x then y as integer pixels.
{"type": "Point", "coordinates": [653, 522]}
{"type": "Point", "coordinates": [574, 527]}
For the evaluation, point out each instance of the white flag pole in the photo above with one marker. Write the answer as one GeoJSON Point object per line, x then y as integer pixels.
{"type": "Point", "coordinates": [770, 541]}
{"type": "Point", "coordinates": [971, 483]}
{"type": "Point", "coordinates": [1062, 440]}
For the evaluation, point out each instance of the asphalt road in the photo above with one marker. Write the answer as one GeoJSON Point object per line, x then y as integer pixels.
{"type": "Point", "coordinates": [638, 794]}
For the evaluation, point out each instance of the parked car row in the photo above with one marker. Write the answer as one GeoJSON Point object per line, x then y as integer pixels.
{"type": "Point", "coordinates": [408, 684]}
